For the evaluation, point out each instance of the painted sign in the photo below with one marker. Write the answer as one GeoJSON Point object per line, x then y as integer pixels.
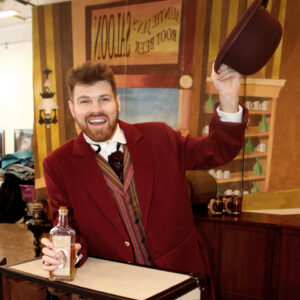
{"type": "Point", "coordinates": [135, 34]}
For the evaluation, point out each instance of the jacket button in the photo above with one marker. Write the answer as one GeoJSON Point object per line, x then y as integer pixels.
{"type": "Point", "coordinates": [127, 244]}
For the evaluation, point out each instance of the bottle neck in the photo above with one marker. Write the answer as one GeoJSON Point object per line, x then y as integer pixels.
{"type": "Point", "coordinates": [63, 220]}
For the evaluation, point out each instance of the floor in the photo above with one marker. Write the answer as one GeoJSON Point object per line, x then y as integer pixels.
{"type": "Point", "coordinates": [16, 243]}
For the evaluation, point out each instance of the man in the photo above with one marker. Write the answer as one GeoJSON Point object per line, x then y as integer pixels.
{"type": "Point", "coordinates": [145, 216]}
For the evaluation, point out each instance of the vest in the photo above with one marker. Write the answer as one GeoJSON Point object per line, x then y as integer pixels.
{"type": "Point", "coordinates": [126, 200]}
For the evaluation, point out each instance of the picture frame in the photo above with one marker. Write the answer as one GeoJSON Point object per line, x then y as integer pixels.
{"type": "Point", "coordinates": [2, 142]}
{"type": "Point", "coordinates": [23, 139]}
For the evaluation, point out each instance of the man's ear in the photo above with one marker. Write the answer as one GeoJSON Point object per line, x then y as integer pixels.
{"type": "Point", "coordinates": [71, 106]}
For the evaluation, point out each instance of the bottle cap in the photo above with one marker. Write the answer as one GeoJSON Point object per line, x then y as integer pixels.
{"type": "Point", "coordinates": [63, 210]}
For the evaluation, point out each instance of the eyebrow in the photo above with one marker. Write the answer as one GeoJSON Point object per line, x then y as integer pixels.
{"type": "Point", "coordinates": [100, 96]}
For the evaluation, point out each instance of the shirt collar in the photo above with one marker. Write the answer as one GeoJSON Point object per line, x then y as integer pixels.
{"type": "Point", "coordinates": [110, 145]}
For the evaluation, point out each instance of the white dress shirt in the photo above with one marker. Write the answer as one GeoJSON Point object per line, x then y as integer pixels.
{"type": "Point", "coordinates": [110, 145]}
{"type": "Point", "coordinates": [231, 117]}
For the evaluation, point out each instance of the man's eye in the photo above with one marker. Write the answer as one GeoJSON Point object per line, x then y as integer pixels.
{"type": "Point", "coordinates": [83, 101]}
{"type": "Point", "coordinates": [105, 98]}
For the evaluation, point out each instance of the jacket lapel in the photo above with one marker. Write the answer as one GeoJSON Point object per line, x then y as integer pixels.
{"type": "Point", "coordinates": [94, 182]}
{"type": "Point", "coordinates": [142, 161]}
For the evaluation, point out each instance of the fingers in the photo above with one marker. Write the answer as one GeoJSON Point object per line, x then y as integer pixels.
{"type": "Point", "coordinates": [51, 260]}
{"type": "Point", "coordinates": [225, 72]}
{"type": "Point", "coordinates": [77, 247]}
{"type": "Point", "coordinates": [49, 267]}
{"type": "Point", "coordinates": [46, 242]}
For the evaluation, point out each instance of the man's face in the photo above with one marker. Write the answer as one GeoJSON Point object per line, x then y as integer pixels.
{"type": "Point", "coordinates": [96, 110]}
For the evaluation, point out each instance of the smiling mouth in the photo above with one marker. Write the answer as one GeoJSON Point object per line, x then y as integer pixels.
{"type": "Point", "coordinates": [97, 122]}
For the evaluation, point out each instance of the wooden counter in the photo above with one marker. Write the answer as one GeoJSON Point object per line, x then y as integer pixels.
{"type": "Point", "coordinates": [103, 279]}
{"type": "Point", "coordinates": [254, 256]}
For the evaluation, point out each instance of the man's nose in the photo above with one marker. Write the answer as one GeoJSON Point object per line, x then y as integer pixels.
{"type": "Point", "coordinates": [97, 106]}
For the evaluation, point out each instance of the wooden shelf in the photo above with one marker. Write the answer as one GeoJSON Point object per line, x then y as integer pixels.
{"type": "Point", "coordinates": [254, 131]}
{"type": "Point", "coordinates": [254, 87]}
{"type": "Point", "coordinates": [253, 155]}
{"type": "Point", "coordinates": [258, 134]}
{"type": "Point", "coordinates": [263, 90]}
{"type": "Point", "coordinates": [236, 177]}
{"type": "Point", "coordinates": [259, 112]}
{"type": "Point", "coordinates": [251, 112]}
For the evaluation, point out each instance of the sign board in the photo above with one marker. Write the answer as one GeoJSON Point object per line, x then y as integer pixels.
{"type": "Point", "coordinates": [144, 33]}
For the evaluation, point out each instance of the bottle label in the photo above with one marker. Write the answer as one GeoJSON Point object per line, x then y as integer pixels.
{"type": "Point", "coordinates": [62, 245]}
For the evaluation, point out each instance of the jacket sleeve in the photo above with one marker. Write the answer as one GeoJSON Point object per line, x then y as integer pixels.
{"type": "Point", "coordinates": [59, 197]}
{"type": "Point", "coordinates": [223, 143]}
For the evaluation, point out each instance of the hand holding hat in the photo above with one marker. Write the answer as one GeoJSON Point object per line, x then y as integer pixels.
{"type": "Point", "coordinates": [227, 82]}
{"type": "Point", "coordinates": [252, 42]}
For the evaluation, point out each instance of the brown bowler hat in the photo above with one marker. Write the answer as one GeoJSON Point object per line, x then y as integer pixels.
{"type": "Point", "coordinates": [252, 41]}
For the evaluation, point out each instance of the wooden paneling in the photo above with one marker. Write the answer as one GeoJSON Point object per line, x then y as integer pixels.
{"type": "Point", "coordinates": [52, 48]}
{"type": "Point", "coordinates": [255, 256]}
{"type": "Point", "coordinates": [289, 285]}
{"type": "Point", "coordinates": [249, 265]}
{"type": "Point", "coordinates": [199, 65]}
{"type": "Point", "coordinates": [207, 232]}
{"type": "Point", "coordinates": [285, 171]}
{"type": "Point", "coordinates": [64, 61]}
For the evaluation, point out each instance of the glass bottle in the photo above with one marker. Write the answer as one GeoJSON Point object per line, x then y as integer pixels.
{"type": "Point", "coordinates": [254, 188]}
{"type": "Point", "coordinates": [263, 124]}
{"type": "Point", "coordinates": [257, 168]}
{"type": "Point", "coordinates": [63, 238]}
{"type": "Point", "coordinates": [249, 147]}
{"type": "Point", "coordinates": [219, 192]}
{"type": "Point", "coordinates": [209, 103]}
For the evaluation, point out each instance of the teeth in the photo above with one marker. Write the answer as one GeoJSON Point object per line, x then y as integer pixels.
{"type": "Point", "coordinates": [96, 121]}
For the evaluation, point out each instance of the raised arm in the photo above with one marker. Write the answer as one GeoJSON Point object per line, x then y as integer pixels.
{"type": "Point", "coordinates": [227, 82]}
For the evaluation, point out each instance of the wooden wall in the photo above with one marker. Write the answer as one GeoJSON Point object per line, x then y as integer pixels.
{"type": "Point", "coordinates": [285, 169]}
{"type": "Point", "coordinates": [52, 48]}
{"type": "Point", "coordinates": [212, 22]}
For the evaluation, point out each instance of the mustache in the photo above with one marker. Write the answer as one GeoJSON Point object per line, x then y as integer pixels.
{"type": "Point", "coordinates": [96, 114]}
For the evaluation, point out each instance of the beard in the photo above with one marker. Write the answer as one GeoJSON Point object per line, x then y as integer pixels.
{"type": "Point", "coordinates": [99, 133]}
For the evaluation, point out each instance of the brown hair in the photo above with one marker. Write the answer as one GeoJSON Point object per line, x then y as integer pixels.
{"type": "Point", "coordinates": [89, 73]}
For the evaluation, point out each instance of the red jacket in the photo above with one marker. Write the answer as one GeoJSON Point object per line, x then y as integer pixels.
{"type": "Point", "coordinates": [160, 157]}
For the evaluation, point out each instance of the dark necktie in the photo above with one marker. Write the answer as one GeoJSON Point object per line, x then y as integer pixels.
{"type": "Point", "coordinates": [116, 162]}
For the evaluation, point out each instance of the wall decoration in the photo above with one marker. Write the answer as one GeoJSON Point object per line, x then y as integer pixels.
{"type": "Point", "coordinates": [2, 142]}
{"type": "Point", "coordinates": [23, 139]}
{"type": "Point", "coordinates": [48, 107]}
{"type": "Point", "coordinates": [134, 34]}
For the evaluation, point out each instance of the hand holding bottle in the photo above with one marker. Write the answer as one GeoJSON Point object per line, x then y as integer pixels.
{"type": "Point", "coordinates": [60, 252]}
{"type": "Point", "coordinates": [51, 260]}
